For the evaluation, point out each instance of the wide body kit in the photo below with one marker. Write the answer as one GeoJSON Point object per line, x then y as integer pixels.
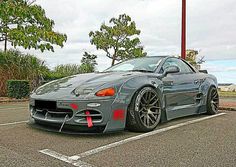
{"type": "Point", "coordinates": [56, 106]}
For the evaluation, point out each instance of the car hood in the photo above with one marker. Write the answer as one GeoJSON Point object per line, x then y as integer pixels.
{"type": "Point", "coordinates": [82, 81]}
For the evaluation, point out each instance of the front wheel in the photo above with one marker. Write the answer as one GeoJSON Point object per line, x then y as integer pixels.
{"type": "Point", "coordinates": [212, 101]}
{"type": "Point", "coordinates": [144, 112]}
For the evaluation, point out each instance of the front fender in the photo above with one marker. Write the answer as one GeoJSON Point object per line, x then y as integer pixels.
{"type": "Point", "coordinates": [133, 85]}
{"type": "Point", "coordinates": [209, 81]}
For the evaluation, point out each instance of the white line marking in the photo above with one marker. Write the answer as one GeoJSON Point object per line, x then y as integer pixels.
{"type": "Point", "coordinates": [118, 143]}
{"type": "Point", "coordinates": [75, 160]}
{"type": "Point", "coordinates": [13, 108]}
{"type": "Point", "coordinates": [65, 158]}
{"type": "Point", "coordinates": [13, 123]}
{"type": "Point", "coordinates": [56, 155]}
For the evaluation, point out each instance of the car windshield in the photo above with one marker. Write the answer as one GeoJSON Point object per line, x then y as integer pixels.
{"type": "Point", "coordinates": [147, 64]}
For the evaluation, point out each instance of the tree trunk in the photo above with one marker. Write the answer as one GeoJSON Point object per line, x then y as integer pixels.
{"type": "Point", "coordinates": [113, 61]}
{"type": "Point", "coordinates": [5, 44]}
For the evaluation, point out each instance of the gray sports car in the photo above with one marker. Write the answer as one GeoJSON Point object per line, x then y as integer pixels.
{"type": "Point", "coordinates": [137, 95]}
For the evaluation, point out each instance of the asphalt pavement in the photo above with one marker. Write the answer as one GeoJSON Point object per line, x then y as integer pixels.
{"type": "Point", "coordinates": [191, 141]}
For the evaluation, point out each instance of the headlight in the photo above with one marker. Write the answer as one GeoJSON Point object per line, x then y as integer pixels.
{"type": "Point", "coordinates": [79, 91]}
{"type": "Point", "coordinates": [106, 92]}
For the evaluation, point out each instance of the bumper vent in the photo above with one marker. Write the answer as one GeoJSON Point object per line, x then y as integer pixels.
{"type": "Point", "coordinates": [96, 116]}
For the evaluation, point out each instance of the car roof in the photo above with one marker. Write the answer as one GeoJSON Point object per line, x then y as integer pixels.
{"type": "Point", "coordinates": [162, 56]}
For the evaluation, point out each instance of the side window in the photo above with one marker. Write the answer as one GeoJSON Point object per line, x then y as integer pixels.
{"type": "Point", "coordinates": [184, 68]}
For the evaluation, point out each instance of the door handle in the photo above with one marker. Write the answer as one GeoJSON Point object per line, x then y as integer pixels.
{"type": "Point", "coordinates": [196, 82]}
{"type": "Point", "coordinates": [168, 83]}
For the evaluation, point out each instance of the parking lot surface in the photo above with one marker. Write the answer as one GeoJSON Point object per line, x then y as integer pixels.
{"type": "Point", "coordinates": [191, 141]}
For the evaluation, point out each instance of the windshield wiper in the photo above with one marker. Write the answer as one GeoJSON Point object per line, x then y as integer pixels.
{"type": "Point", "coordinates": [128, 71]}
{"type": "Point", "coordinates": [141, 71]}
{"type": "Point", "coordinates": [109, 71]}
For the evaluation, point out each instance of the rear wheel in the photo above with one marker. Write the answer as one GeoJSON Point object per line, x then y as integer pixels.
{"type": "Point", "coordinates": [145, 110]}
{"type": "Point", "coordinates": [212, 101]}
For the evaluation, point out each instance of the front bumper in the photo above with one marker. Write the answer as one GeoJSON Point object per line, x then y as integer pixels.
{"type": "Point", "coordinates": [70, 115]}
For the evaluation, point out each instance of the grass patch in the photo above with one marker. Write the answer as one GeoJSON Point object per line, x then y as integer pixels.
{"type": "Point", "coordinates": [227, 94]}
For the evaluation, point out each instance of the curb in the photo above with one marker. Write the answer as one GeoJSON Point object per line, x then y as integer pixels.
{"type": "Point", "coordinates": [14, 101]}
{"type": "Point", "coordinates": [227, 108]}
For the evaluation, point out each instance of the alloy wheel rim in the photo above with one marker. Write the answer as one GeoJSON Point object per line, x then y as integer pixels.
{"type": "Point", "coordinates": [214, 100]}
{"type": "Point", "coordinates": [149, 109]}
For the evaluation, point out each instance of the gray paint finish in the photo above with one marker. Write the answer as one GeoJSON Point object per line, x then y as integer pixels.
{"type": "Point", "coordinates": [181, 94]}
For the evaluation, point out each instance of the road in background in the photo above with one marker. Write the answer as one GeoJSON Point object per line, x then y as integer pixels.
{"type": "Point", "coordinates": [228, 102]}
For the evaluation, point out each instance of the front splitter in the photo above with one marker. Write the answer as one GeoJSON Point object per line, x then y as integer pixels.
{"type": "Point", "coordinates": [67, 129]}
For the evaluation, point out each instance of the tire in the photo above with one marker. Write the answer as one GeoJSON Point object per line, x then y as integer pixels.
{"type": "Point", "coordinates": [212, 101]}
{"type": "Point", "coordinates": [144, 112]}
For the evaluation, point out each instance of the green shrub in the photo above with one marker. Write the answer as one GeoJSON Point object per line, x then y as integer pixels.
{"type": "Point", "coordinates": [67, 69]}
{"type": "Point", "coordinates": [18, 88]}
{"type": "Point", "coordinates": [15, 65]}
{"type": "Point", "coordinates": [62, 71]}
{"type": "Point", "coordinates": [50, 76]}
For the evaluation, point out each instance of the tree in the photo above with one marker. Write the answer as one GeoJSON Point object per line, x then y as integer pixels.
{"type": "Point", "coordinates": [191, 57]}
{"type": "Point", "coordinates": [89, 59]}
{"type": "Point", "coordinates": [119, 39]}
{"type": "Point", "coordinates": [88, 63]}
{"type": "Point", "coordinates": [25, 24]}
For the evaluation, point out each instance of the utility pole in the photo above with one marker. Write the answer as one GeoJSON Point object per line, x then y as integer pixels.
{"type": "Point", "coordinates": [183, 35]}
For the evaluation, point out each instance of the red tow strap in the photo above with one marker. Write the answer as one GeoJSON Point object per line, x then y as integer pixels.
{"type": "Point", "coordinates": [89, 119]}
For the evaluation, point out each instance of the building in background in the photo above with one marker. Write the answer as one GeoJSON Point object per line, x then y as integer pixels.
{"type": "Point", "coordinates": [227, 87]}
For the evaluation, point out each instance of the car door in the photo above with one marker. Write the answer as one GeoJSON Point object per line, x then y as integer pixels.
{"type": "Point", "coordinates": [180, 89]}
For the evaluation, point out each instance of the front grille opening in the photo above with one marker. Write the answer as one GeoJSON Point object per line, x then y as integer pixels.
{"type": "Point", "coordinates": [39, 104]}
{"type": "Point", "coordinates": [49, 113]}
{"type": "Point", "coordinates": [48, 109]}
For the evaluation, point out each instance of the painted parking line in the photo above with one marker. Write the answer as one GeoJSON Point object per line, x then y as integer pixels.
{"type": "Point", "coordinates": [75, 159]}
{"type": "Point", "coordinates": [65, 158]}
{"type": "Point", "coordinates": [13, 123]}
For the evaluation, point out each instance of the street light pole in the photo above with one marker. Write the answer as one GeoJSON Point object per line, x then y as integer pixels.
{"type": "Point", "coordinates": [183, 36]}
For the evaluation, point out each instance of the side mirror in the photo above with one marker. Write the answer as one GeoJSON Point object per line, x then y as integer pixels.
{"type": "Point", "coordinates": [171, 70]}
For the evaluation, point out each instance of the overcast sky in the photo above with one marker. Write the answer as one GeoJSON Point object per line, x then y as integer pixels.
{"type": "Point", "coordinates": [211, 28]}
